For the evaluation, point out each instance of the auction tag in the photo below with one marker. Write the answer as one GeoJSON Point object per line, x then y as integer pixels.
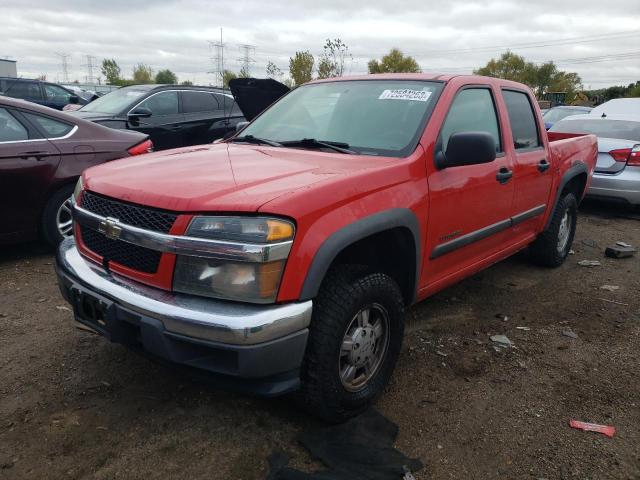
{"type": "Point", "coordinates": [405, 94]}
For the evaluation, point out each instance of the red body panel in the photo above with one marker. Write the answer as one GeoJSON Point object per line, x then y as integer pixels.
{"type": "Point", "coordinates": [324, 192]}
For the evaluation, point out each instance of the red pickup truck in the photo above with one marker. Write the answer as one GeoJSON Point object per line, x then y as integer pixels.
{"type": "Point", "coordinates": [283, 259]}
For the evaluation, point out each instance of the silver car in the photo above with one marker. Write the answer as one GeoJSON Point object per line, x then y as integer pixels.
{"type": "Point", "coordinates": [617, 174]}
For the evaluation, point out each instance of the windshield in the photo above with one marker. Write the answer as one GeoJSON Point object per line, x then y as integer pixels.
{"type": "Point", "coordinates": [114, 102]}
{"type": "Point", "coordinates": [620, 129]}
{"type": "Point", "coordinates": [371, 117]}
{"type": "Point", "coordinates": [556, 114]}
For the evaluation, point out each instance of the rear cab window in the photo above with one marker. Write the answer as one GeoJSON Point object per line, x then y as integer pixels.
{"type": "Point", "coordinates": [524, 128]}
{"type": "Point", "coordinates": [51, 128]}
{"type": "Point", "coordinates": [11, 130]}
{"type": "Point", "coordinates": [194, 102]}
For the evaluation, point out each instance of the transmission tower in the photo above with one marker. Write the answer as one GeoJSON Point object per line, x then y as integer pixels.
{"type": "Point", "coordinates": [90, 66]}
{"type": "Point", "coordinates": [246, 59]}
{"type": "Point", "coordinates": [216, 55]}
{"type": "Point", "coordinates": [64, 64]}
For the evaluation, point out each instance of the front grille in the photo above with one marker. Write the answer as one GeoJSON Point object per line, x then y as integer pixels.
{"type": "Point", "coordinates": [143, 217]}
{"type": "Point", "coordinates": [131, 256]}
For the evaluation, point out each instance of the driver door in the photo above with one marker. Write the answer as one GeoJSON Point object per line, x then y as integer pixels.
{"type": "Point", "coordinates": [470, 206]}
{"type": "Point", "coordinates": [165, 124]}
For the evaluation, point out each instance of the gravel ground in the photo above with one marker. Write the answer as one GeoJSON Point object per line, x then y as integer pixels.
{"type": "Point", "coordinates": [74, 406]}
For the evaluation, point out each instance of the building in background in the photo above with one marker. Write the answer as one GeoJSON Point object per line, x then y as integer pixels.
{"type": "Point", "coordinates": [8, 68]}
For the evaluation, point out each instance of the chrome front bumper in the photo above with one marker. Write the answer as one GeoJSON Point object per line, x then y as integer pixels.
{"type": "Point", "coordinates": [191, 316]}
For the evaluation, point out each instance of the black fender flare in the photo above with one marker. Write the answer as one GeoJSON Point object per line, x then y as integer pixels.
{"type": "Point", "coordinates": [576, 169]}
{"type": "Point", "coordinates": [349, 234]}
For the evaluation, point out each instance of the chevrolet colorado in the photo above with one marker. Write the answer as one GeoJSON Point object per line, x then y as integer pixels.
{"type": "Point", "coordinates": [283, 259]}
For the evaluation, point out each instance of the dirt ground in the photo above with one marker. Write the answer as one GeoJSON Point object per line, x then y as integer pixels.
{"type": "Point", "coordinates": [74, 406]}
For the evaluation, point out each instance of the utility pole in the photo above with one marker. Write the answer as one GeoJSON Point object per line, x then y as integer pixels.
{"type": "Point", "coordinates": [216, 52]}
{"type": "Point", "coordinates": [64, 64]}
{"type": "Point", "coordinates": [90, 65]}
{"type": "Point", "coordinates": [246, 59]}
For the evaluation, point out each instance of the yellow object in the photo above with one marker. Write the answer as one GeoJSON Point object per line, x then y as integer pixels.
{"type": "Point", "coordinates": [278, 230]}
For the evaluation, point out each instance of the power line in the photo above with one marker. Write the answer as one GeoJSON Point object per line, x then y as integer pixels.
{"type": "Point", "coordinates": [246, 59]}
{"type": "Point", "coordinates": [64, 65]}
{"type": "Point", "coordinates": [90, 66]}
{"type": "Point", "coordinates": [217, 59]}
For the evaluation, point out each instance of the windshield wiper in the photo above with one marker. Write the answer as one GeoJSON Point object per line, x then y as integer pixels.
{"type": "Point", "coordinates": [313, 143]}
{"type": "Point", "coordinates": [256, 140]}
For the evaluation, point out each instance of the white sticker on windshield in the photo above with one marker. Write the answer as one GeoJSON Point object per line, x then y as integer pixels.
{"type": "Point", "coordinates": [405, 94]}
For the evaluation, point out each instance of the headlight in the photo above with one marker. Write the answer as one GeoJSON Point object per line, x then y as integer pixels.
{"type": "Point", "coordinates": [78, 189]}
{"type": "Point", "coordinates": [244, 281]}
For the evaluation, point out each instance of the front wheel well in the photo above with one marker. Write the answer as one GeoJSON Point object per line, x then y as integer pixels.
{"type": "Point", "coordinates": [392, 252]}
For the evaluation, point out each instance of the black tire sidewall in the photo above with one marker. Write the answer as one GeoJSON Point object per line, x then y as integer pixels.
{"type": "Point", "coordinates": [336, 307]}
{"type": "Point", "coordinates": [567, 202]}
{"type": "Point", "coordinates": [49, 216]}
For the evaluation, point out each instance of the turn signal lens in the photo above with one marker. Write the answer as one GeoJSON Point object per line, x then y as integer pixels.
{"type": "Point", "coordinates": [278, 230]}
{"type": "Point", "coordinates": [139, 149]}
{"type": "Point", "coordinates": [621, 154]}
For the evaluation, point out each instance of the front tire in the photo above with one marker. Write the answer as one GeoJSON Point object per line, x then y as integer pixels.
{"type": "Point", "coordinates": [354, 342]}
{"type": "Point", "coordinates": [552, 246]}
{"type": "Point", "coordinates": [56, 218]}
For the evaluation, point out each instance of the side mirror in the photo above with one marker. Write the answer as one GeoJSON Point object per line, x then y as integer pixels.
{"type": "Point", "coordinates": [467, 148]}
{"type": "Point", "coordinates": [241, 125]}
{"type": "Point", "coordinates": [74, 99]}
{"type": "Point", "coordinates": [140, 112]}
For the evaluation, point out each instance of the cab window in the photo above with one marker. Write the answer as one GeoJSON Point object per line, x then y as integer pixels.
{"type": "Point", "coordinates": [56, 94]}
{"type": "Point", "coordinates": [473, 110]}
{"type": "Point", "coordinates": [10, 129]}
{"type": "Point", "coordinates": [163, 103]}
{"type": "Point", "coordinates": [50, 127]}
{"type": "Point", "coordinates": [522, 119]}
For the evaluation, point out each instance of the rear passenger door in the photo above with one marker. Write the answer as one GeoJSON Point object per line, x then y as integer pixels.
{"type": "Point", "coordinates": [165, 124]}
{"type": "Point", "coordinates": [532, 169]}
{"type": "Point", "coordinates": [28, 162]}
{"type": "Point", "coordinates": [470, 206]}
{"type": "Point", "coordinates": [203, 116]}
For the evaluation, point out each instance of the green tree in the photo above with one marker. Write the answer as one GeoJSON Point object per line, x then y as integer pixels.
{"type": "Point", "coordinates": [394, 62]}
{"type": "Point", "coordinates": [634, 91]}
{"type": "Point", "coordinates": [111, 71]}
{"type": "Point", "coordinates": [166, 76]}
{"type": "Point", "coordinates": [273, 71]}
{"type": "Point", "coordinates": [142, 73]}
{"type": "Point", "coordinates": [542, 78]}
{"type": "Point", "coordinates": [186, 82]}
{"type": "Point", "coordinates": [301, 67]}
{"type": "Point", "coordinates": [244, 72]}
{"type": "Point", "coordinates": [227, 76]}
{"type": "Point", "coordinates": [333, 57]}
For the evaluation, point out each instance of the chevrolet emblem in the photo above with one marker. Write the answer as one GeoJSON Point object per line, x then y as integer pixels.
{"type": "Point", "coordinates": [109, 228]}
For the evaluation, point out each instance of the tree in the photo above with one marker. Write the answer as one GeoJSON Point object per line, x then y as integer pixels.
{"type": "Point", "coordinates": [42, 77]}
{"type": "Point", "coordinates": [301, 67]}
{"type": "Point", "coordinates": [394, 62]}
{"type": "Point", "coordinates": [542, 78]}
{"type": "Point", "coordinates": [186, 82]}
{"type": "Point", "coordinates": [333, 57]}
{"type": "Point", "coordinates": [166, 76]}
{"type": "Point", "coordinates": [244, 72]}
{"type": "Point", "coordinates": [227, 76]}
{"type": "Point", "coordinates": [634, 90]}
{"type": "Point", "coordinates": [273, 71]}
{"type": "Point", "coordinates": [142, 73]}
{"type": "Point", "coordinates": [111, 71]}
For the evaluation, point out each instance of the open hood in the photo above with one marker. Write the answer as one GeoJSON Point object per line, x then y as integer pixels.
{"type": "Point", "coordinates": [253, 95]}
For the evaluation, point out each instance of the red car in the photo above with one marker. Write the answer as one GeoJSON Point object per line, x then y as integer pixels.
{"type": "Point", "coordinates": [284, 258]}
{"type": "Point", "coordinates": [42, 153]}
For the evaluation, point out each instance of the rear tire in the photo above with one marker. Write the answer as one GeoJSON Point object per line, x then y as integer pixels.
{"type": "Point", "coordinates": [552, 247]}
{"type": "Point", "coordinates": [56, 217]}
{"type": "Point", "coordinates": [354, 342]}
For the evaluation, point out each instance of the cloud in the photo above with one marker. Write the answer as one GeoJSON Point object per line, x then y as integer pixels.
{"type": "Point", "coordinates": [445, 36]}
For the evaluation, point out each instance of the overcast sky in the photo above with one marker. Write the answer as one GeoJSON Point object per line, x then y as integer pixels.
{"type": "Point", "coordinates": [598, 39]}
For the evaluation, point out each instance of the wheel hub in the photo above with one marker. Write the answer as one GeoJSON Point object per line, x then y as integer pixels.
{"type": "Point", "coordinates": [364, 342]}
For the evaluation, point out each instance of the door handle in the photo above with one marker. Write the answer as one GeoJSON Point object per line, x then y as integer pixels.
{"type": "Point", "coordinates": [543, 165]}
{"type": "Point", "coordinates": [37, 155]}
{"type": "Point", "coordinates": [504, 175]}
{"type": "Point", "coordinates": [175, 128]}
